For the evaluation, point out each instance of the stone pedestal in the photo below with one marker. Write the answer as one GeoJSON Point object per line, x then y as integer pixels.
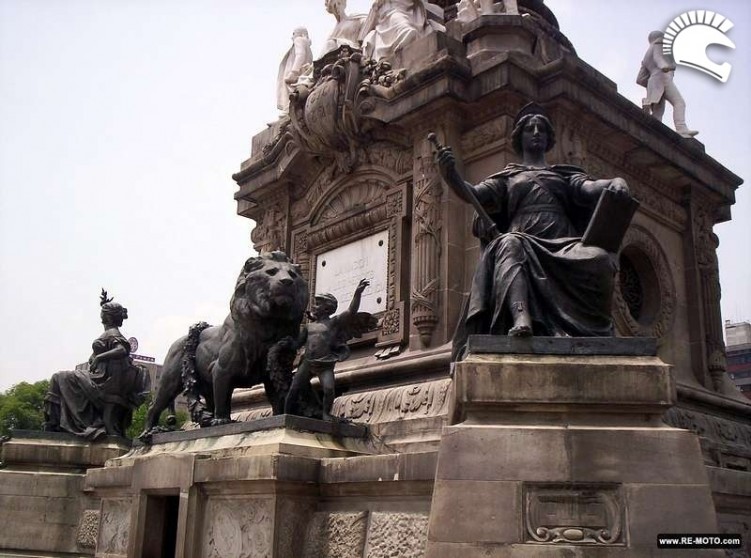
{"type": "Point", "coordinates": [562, 452]}
{"type": "Point", "coordinates": [43, 509]}
{"type": "Point", "coordinates": [241, 489]}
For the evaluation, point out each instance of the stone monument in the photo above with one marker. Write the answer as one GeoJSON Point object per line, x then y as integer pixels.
{"type": "Point", "coordinates": [537, 445]}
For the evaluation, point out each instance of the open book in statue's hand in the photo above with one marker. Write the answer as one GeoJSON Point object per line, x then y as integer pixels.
{"type": "Point", "coordinates": [610, 220]}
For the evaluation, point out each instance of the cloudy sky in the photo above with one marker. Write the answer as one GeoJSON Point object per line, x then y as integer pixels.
{"type": "Point", "coordinates": [122, 121]}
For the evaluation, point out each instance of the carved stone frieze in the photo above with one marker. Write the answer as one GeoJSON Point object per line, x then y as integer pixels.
{"type": "Point", "coordinates": [247, 416]}
{"type": "Point", "coordinates": [397, 534]}
{"type": "Point", "coordinates": [240, 527]}
{"type": "Point", "coordinates": [584, 514]}
{"type": "Point", "coordinates": [659, 199]}
{"type": "Point", "coordinates": [114, 527]}
{"type": "Point", "coordinates": [336, 535]}
{"type": "Point", "coordinates": [485, 135]}
{"type": "Point", "coordinates": [387, 155]}
{"type": "Point", "coordinates": [427, 224]}
{"type": "Point", "coordinates": [724, 442]}
{"type": "Point", "coordinates": [428, 399]}
{"type": "Point", "coordinates": [644, 253]}
{"type": "Point", "coordinates": [88, 529]}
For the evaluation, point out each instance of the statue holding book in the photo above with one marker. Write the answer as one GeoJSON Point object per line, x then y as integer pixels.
{"type": "Point", "coordinates": [540, 273]}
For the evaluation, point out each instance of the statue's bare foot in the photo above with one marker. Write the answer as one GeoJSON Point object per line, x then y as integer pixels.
{"type": "Point", "coordinates": [220, 421]}
{"type": "Point", "coordinates": [520, 331]}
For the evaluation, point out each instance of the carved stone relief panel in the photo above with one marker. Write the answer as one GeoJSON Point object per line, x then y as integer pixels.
{"type": "Point", "coordinates": [706, 243]}
{"type": "Point", "coordinates": [336, 535]}
{"type": "Point", "coordinates": [239, 527]}
{"type": "Point", "coordinates": [724, 442]}
{"type": "Point", "coordinates": [397, 534]}
{"type": "Point", "coordinates": [114, 526]}
{"type": "Point", "coordinates": [580, 514]}
{"type": "Point", "coordinates": [427, 224]}
{"type": "Point", "coordinates": [645, 296]}
{"type": "Point", "coordinates": [428, 399]}
{"type": "Point", "coordinates": [270, 232]}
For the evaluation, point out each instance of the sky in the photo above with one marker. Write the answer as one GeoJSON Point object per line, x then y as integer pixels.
{"type": "Point", "coordinates": [122, 122]}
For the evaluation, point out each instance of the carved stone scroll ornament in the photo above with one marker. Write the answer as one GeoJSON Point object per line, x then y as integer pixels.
{"type": "Point", "coordinates": [586, 515]}
{"type": "Point", "coordinates": [427, 225]}
{"type": "Point", "coordinates": [329, 114]}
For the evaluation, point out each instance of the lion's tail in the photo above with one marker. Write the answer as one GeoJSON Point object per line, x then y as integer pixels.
{"type": "Point", "coordinates": [188, 370]}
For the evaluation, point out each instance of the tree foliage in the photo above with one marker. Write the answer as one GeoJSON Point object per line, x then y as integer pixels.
{"type": "Point", "coordinates": [22, 407]}
{"type": "Point", "coordinates": [139, 418]}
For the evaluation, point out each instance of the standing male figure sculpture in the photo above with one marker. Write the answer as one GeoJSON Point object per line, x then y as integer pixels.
{"type": "Point", "coordinates": [535, 275]}
{"type": "Point", "coordinates": [656, 74]}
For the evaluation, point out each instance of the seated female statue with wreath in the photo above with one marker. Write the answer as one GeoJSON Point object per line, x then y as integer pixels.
{"type": "Point", "coordinates": [99, 401]}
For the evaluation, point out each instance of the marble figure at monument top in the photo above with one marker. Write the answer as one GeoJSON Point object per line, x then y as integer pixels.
{"type": "Point", "coordinates": [296, 62]}
{"type": "Point", "coordinates": [347, 28]}
{"type": "Point", "coordinates": [392, 24]}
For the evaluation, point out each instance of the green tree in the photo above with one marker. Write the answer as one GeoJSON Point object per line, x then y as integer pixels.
{"type": "Point", "coordinates": [139, 418]}
{"type": "Point", "coordinates": [22, 407]}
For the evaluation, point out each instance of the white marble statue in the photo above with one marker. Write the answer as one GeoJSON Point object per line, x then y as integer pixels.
{"type": "Point", "coordinates": [296, 62]}
{"type": "Point", "coordinates": [467, 10]}
{"type": "Point", "coordinates": [393, 24]}
{"type": "Point", "coordinates": [347, 29]}
{"type": "Point", "coordinates": [656, 74]}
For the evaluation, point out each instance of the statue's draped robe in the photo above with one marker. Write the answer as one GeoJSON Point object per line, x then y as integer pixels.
{"type": "Point", "coordinates": [95, 403]}
{"type": "Point", "coordinates": [392, 24]}
{"type": "Point", "coordinates": [542, 213]}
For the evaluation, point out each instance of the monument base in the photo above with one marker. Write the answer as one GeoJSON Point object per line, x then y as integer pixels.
{"type": "Point", "coordinates": [565, 454]}
{"type": "Point", "coordinates": [280, 487]}
{"type": "Point", "coordinates": [43, 508]}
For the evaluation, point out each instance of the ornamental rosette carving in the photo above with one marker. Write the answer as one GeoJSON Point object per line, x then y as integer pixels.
{"type": "Point", "coordinates": [647, 266]}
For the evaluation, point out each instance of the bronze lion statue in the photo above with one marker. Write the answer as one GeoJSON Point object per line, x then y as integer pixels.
{"type": "Point", "coordinates": [254, 345]}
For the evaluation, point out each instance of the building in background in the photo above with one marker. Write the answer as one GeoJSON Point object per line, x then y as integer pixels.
{"type": "Point", "coordinates": [738, 350]}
